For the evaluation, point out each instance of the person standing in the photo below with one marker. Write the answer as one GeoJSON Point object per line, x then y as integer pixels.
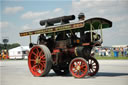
{"type": "Point", "coordinates": [125, 51]}
{"type": "Point", "coordinates": [116, 52]}
{"type": "Point", "coordinates": [122, 51]}
{"type": "Point", "coordinates": [0, 56]}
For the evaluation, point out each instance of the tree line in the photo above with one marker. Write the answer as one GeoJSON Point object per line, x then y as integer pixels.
{"type": "Point", "coordinates": [8, 46]}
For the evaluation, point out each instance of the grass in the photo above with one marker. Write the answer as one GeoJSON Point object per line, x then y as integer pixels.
{"type": "Point", "coordinates": [111, 57]}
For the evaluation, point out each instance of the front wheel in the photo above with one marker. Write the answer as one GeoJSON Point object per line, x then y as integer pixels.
{"type": "Point", "coordinates": [78, 67]}
{"type": "Point", "coordinates": [39, 60]}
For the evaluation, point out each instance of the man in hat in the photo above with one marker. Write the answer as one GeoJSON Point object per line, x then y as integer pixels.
{"type": "Point", "coordinates": [81, 16]}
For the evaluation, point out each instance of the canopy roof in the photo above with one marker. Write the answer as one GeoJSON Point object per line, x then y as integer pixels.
{"type": "Point", "coordinates": [96, 22]}
{"type": "Point", "coordinates": [86, 25]}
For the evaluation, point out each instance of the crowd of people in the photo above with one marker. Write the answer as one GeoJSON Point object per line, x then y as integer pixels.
{"type": "Point", "coordinates": [122, 50]}
{"type": "Point", "coordinates": [119, 51]}
{"type": "Point", "coordinates": [104, 51]}
{"type": "Point", "coordinates": [4, 55]}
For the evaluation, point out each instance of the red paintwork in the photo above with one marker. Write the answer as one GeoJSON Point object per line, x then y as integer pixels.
{"type": "Point", "coordinates": [85, 44]}
{"type": "Point", "coordinates": [71, 50]}
{"type": "Point", "coordinates": [83, 68]}
{"type": "Point", "coordinates": [68, 50]}
{"type": "Point", "coordinates": [56, 50]}
{"type": "Point", "coordinates": [36, 69]}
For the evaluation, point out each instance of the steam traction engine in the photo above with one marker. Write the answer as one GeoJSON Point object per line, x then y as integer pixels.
{"type": "Point", "coordinates": [66, 47]}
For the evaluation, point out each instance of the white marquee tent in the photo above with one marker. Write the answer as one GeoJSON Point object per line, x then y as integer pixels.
{"type": "Point", "coordinates": [20, 52]}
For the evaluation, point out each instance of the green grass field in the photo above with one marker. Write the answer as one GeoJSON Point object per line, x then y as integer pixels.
{"type": "Point", "coordinates": [110, 58]}
{"type": "Point", "coordinates": [120, 57]}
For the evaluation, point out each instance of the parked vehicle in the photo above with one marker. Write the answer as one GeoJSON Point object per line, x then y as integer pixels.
{"type": "Point", "coordinates": [20, 52]}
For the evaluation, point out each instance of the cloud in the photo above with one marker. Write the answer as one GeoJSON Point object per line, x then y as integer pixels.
{"type": "Point", "coordinates": [13, 10]}
{"type": "Point", "coordinates": [119, 18]}
{"type": "Point", "coordinates": [99, 7]}
{"type": "Point", "coordinates": [57, 10]}
{"type": "Point", "coordinates": [114, 10]}
{"type": "Point", "coordinates": [26, 27]}
{"type": "Point", "coordinates": [32, 15]}
{"type": "Point", "coordinates": [4, 24]}
{"type": "Point", "coordinates": [43, 14]}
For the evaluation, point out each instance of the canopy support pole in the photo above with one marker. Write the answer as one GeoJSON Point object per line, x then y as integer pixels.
{"type": "Point", "coordinates": [54, 36]}
{"type": "Point", "coordinates": [91, 31]}
{"type": "Point", "coordinates": [30, 39]}
{"type": "Point", "coordinates": [101, 32]}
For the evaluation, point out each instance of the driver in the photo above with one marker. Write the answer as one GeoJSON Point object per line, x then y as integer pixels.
{"type": "Point", "coordinates": [42, 39]}
{"type": "Point", "coordinates": [81, 17]}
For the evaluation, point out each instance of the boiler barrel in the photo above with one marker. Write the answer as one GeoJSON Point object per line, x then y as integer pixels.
{"type": "Point", "coordinates": [57, 20]}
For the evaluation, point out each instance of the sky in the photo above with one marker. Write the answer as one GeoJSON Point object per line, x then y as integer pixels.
{"type": "Point", "coordinates": [19, 15]}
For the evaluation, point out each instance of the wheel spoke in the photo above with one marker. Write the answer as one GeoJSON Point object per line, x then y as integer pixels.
{"type": "Point", "coordinates": [78, 72]}
{"type": "Point", "coordinates": [42, 66]}
{"type": "Point", "coordinates": [39, 66]}
{"type": "Point", "coordinates": [79, 62]}
{"type": "Point", "coordinates": [43, 61]}
{"type": "Point", "coordinates": [32, 59]}
{"type": "Point", "coordinates": [82, 66]}
{"type": "Point", "coordinates": [82, 70]}
{"type": "Point", "coordinates": [93, 62]}
{"type": "Point", "coordinates": [35, 55]}
{"type": "Point", "coordinates": [74, 69]}
{"type": "Point", "coordinates": [41, 53]}
{"type": "Point", "coordinates": [42, 57]}
{"type": "Point", "coordinates": [34, 67]}
{"type": "Point", "coordinates": [91, 70]}
{"type": "Point", "coordinates": [94, 66]}
{"type": "Point", "coordinates": [37, 50]}
{"type": "Point", "coordinates": [74, 65]}
{"type": "Point", "coordinates": [90, 62]}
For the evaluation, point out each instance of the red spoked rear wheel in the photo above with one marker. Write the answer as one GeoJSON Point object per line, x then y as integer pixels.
{"type": "Point", "coordinates": [78, 67]}
{"type": "Point", "coordinates": [39, 60]}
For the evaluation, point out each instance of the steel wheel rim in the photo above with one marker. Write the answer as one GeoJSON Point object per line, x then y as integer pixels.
{"type": "Point", "coordinates": [37, 61]}
{"type": "Point", "coordinates": [78, 68]}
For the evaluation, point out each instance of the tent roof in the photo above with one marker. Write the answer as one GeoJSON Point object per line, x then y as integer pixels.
{"type": "Point", "coordinates": [20, 48]}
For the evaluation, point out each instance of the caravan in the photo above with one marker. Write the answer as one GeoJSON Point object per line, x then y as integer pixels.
{"type": "Point", "coordinates": [20, 52]}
